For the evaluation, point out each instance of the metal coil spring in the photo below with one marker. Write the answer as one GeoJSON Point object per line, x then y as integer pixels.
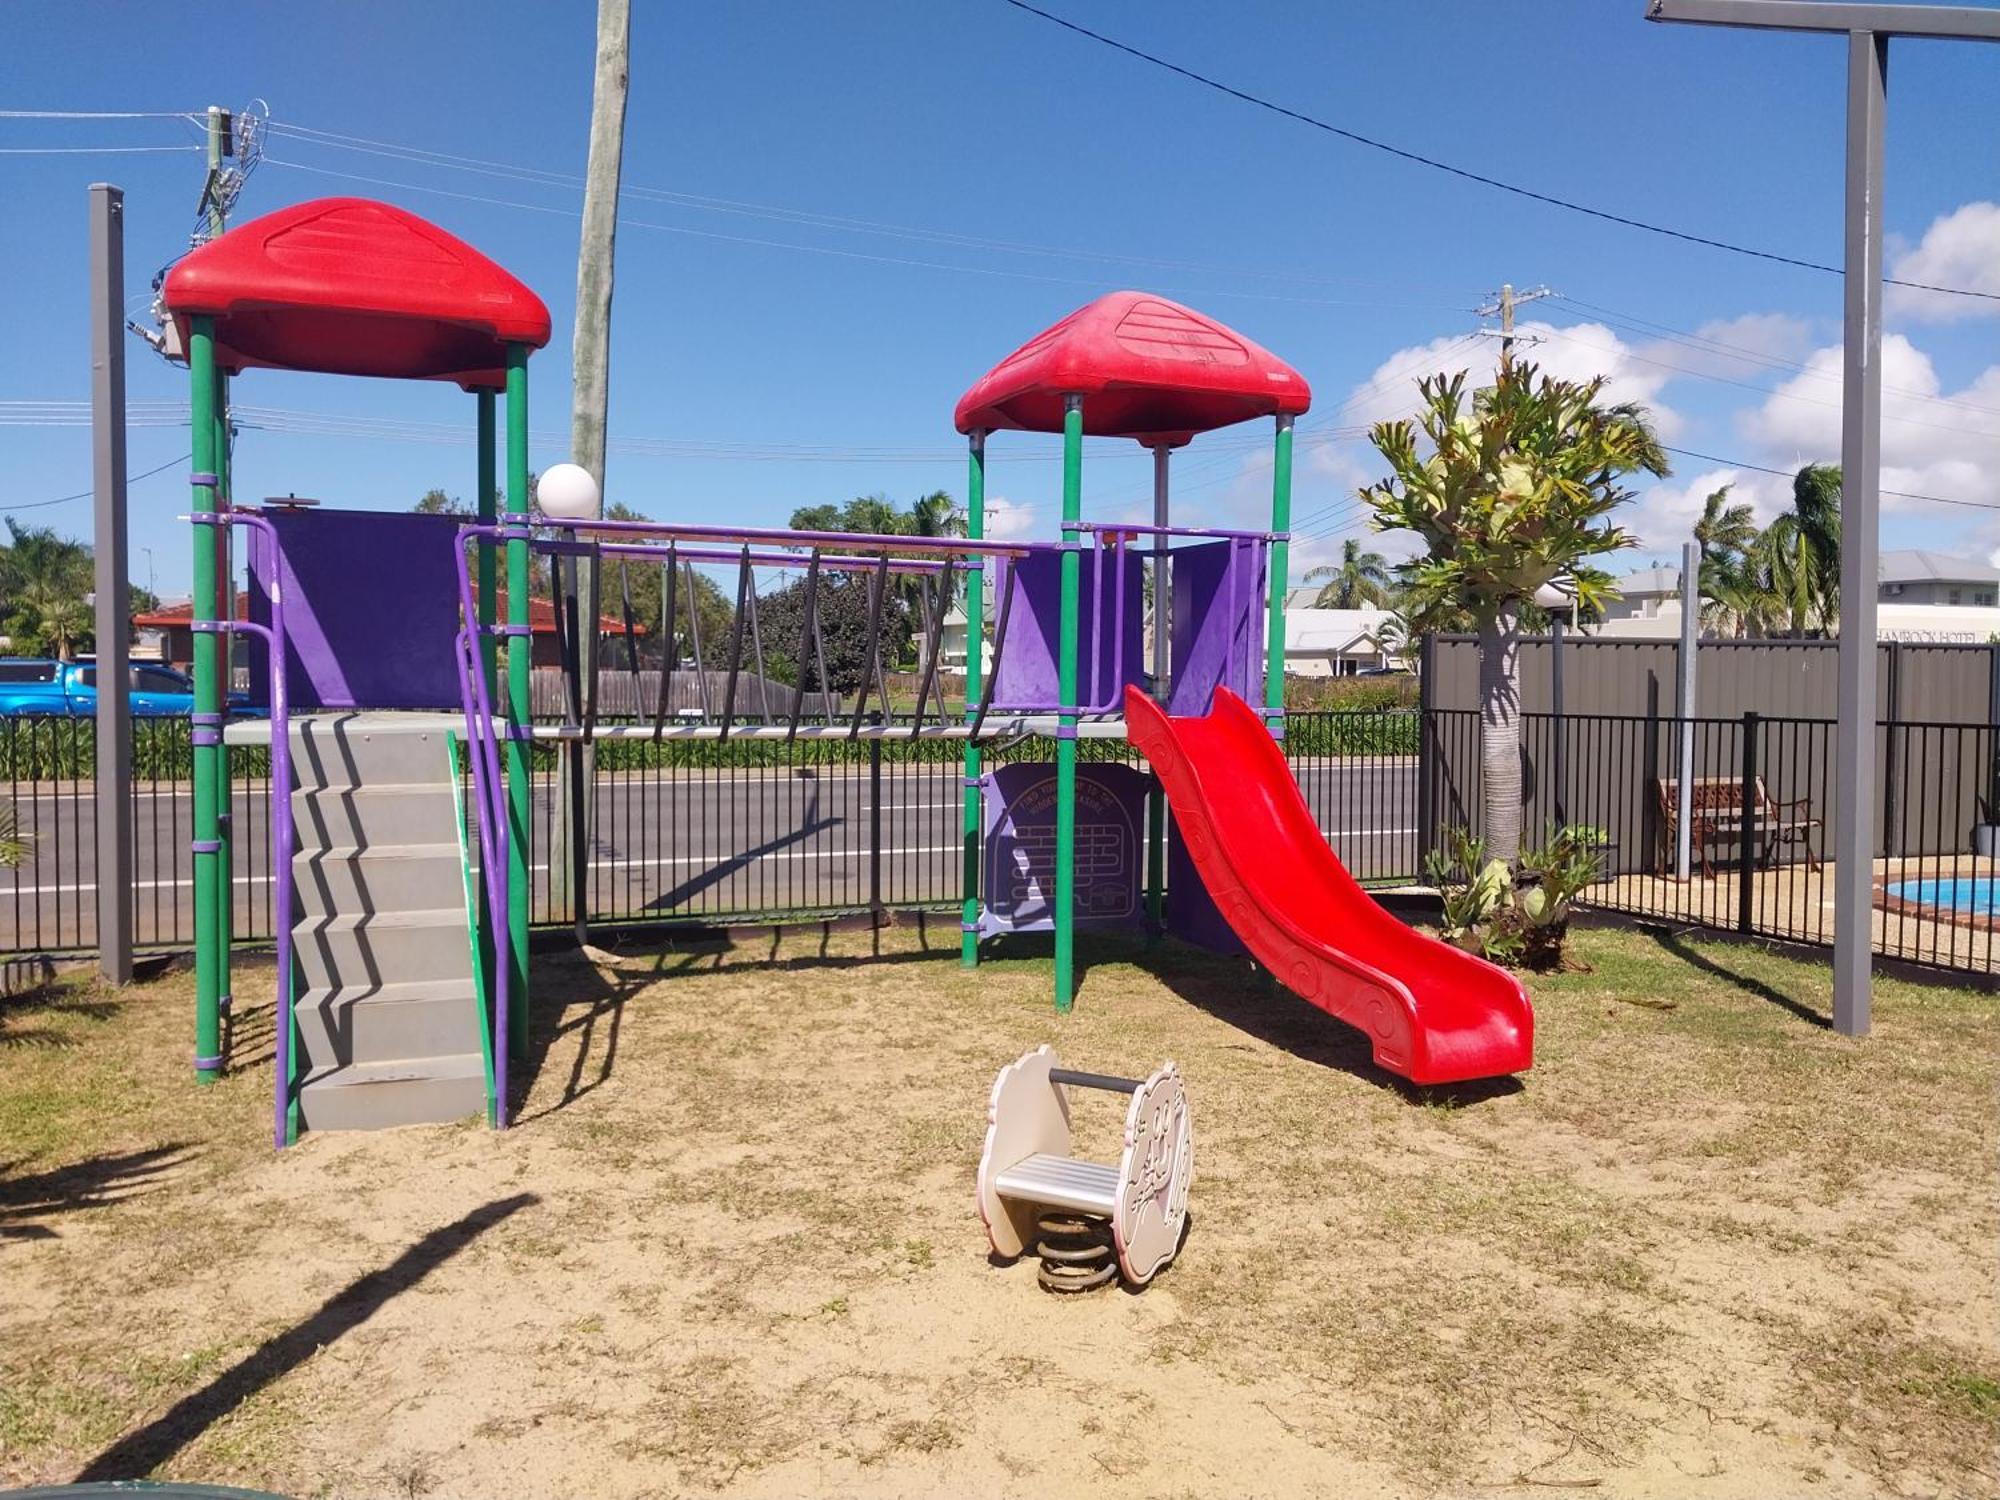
{"type": "Point", "coordinates": [1076, 1252]}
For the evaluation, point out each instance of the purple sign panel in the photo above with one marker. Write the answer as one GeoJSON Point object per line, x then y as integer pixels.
{"type": "Point", "coordinates": [371, 608]}
{"type": "Point", "coordinates": [1020, 861]}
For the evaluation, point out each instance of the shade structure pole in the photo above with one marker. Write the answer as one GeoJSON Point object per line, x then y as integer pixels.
{"type": "Point", "coordinates": [1860, 506]}
{"type": "Point", "coordinates": [1281, 522]}
{"type": "Point", "coordinates": [206, 730]}
{"type": "Point", "coordinates": [975, 672]}
{"type": "Point", "coordinates": [1063, 900]}
{"type": "Point", "coordinates": [1163, 616]}
{"type": "Point", "coordinates": [520, 714]}
{"type": "Point", "coordinates": [113, 602]}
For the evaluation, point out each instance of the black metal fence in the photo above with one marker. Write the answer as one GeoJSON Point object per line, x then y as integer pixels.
{"type": "Point", "coordinates": [695, 830]}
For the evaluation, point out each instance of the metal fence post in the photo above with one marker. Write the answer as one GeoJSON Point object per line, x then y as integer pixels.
{"type": "Point", "coordinates": [1746, 833]}
{"type": "Point", "coordinates": [1427, 757]}
{"type": "Point", "coordinates": [875, 824]}
{"type": "Point", "coordinates": [1891, 762]}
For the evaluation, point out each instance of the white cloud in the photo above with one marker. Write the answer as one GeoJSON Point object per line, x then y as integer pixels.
{"type": "Point", "coordinates": [1581, 351]}
{"type": "Point", "coordinates": [1934, 442]}
{"type": "Point", "coordinates": [1961, 249]}
{"type": "Point", "coordinates": [1007, 520]}
{"type": "Point", "coordinates": [1742, 348]}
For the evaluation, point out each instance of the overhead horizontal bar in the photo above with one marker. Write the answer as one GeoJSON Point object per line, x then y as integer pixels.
{"type": "Point", "coordinates": [853, 541]}
{"type": "Point", "coordinates": [735, 555]}
{"type": "Point", "coordinates": [1966, 23]}
{"type": "Point", "coordinates": [993, 729]}
{"type": "Point", "coordinates": [1137, 530]}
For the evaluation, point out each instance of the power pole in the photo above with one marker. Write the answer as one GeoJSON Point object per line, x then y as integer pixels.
{"type": "Point", "coordinates": [591, 358]}
{"type": "Point", "coordinates": [1503, 305]}
{"type": "Point", "coordinates": [1868, 28]}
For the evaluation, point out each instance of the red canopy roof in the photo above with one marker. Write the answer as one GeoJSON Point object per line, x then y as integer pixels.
{"type": "Point", "coordinates": [348, 286]}
{"type": "Point", "coordinates": [1147, 368]}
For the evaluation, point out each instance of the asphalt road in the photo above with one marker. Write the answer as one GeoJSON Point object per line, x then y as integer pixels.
{"type": "Point", "coordinates": [689, 844]}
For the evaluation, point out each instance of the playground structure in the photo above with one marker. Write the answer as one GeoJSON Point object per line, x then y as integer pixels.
{"type": "Point", "coordinates": [1033, 1193]}
{"type": "Point", "coordinates": [413, 1009]}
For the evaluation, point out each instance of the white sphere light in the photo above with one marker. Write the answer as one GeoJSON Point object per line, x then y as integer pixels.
{"type": "Point", "coordinates": [566, 492]}
{"type": "Point", "coordinates": [1554, 596]}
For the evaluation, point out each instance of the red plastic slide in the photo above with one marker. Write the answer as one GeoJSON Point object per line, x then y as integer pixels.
{"type": "Point", "coordinates": [1432, 1013]}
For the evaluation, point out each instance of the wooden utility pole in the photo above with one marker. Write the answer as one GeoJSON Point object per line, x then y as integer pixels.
{"type": "Point", "coordinates": [591, 390]}
{"type": "Point", "coordinates": [1504, 305]}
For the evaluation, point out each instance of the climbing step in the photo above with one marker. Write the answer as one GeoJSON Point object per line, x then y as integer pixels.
{"type": "Point", "coordinates": [377, 878]}
{"type": "Point", "coordinates": [383, 1023]}
{"type": "Point", "coordinates": [374, 815]}
{"type": "Point", "coordinates": [383, 947]}
{"type": "Point", "coordinates": [409, 1091]}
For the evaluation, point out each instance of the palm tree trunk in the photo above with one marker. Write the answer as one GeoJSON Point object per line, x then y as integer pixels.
{"type": "Point", "coordinates": [1500, 733]}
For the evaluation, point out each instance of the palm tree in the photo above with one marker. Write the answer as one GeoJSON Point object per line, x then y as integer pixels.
{"type": "Point", "coordinates": [1358, 579]}
{"type": "Point", "coordinates": [1724, 533]}
{"type": "Point", "coordinates": [1514, 490]}
{"type": "Point", "coordinates": [1816, 504]}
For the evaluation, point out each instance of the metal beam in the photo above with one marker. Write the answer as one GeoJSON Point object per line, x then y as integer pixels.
{"type": "Point", "coordinates": [1965, 23]}
{"type": "Point", "coordinates": [114, 599]}
{"type": "Point", "coordinates": [1860, 508]}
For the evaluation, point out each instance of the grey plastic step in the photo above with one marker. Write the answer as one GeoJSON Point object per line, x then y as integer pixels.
{"type": "Point", "coordinates": [384, 878]}
{"type": "Point", "coordinates": [370, 1024]}
{"type": "Point", "coordinates": [378, 1095]}
{"type": "Point", "coordinates": [397, 947]}
{"type": "Point", "coordinates": [393, 813]}
{"type": "Point", "coordinates": [354, 750]}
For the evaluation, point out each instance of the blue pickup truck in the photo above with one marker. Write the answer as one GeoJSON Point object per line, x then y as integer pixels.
{"type": "Point", "coordinates": [34, 685]}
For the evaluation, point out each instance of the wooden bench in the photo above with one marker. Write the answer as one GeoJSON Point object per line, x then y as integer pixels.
{"type": "Point", "coordinates": [1026, 1169]}
{"type": "Point", "coordinates": [1715, 817]}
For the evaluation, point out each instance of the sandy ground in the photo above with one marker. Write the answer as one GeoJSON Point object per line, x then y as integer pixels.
{"type": "Point", "coordinates": [1706, 1248]}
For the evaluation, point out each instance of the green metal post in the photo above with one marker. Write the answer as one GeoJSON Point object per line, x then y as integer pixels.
{"type": "Point", "coordinates": [489, 512]}
{"type": "Point", "coordinates": [207, 700]}
{"type": "Point", "coordinates": [520, 715]}
{"type": "Point", "coordinates": [1065, 891]}
{"type": "Point", "coordinates": [1281, 522]}
{"type": "Point", "coordinates": [486, 556]}
{"type": "Point", "coordinates": [975, 629]}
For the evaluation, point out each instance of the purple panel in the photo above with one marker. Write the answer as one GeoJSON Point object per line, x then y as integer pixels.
{"type": "Point", "coordinates": [1020, 861]}
{"type": "Point", "coordinates": [371, 608]}
{"type": "Point", "coordinates": [1219, 604]}
{"type": "Point", "coordinates": [1025, 676]}
{"type": "Point", "coordinates": [1192, 914]}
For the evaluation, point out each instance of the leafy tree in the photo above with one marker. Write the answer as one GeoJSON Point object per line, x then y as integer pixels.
{"type": "Point", "coordinates": [843, 621]}
{"type": "Point", "coordinates": [44, 577]}
{"type": "Point", "coordinates": [438, 503]}
{"type": "Point", "coordinates": [1358, 579]}
{"type": "Point", "coordinates": [1509, 492]}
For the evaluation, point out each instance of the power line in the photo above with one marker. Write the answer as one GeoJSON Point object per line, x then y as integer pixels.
{"type": "Point", "coordinates": [86, 494]}
{"type": "Point", "coordinates": [91, 150]}
{"type": "Point", "coordinates": [1737, 463]}
{"type": "Point", "coordinates": [96, 114]}
{"type": "Point", "coordinates": [422, 156]}
{"type": "Point", "coordinates": [1461, 172]}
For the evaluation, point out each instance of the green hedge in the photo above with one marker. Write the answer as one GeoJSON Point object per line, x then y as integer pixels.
{"type": "Point", "coordinates": [63, 749]}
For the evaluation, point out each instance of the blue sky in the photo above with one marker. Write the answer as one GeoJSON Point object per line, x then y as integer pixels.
{"type": "Point", "coordinates": [748, 327]}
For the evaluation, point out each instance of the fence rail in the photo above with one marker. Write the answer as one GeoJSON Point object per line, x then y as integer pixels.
{"type": "Point", "coordinates": [696, 830]}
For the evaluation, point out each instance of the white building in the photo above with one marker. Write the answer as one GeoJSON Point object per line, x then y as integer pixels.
{"type": "Point", "coordinates": [1924, 596]}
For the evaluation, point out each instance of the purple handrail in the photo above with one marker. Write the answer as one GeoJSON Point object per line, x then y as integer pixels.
{"type": "Point", "coordinates": [483, 748]}
{"type": "Point", "coordinates": [746, 535]}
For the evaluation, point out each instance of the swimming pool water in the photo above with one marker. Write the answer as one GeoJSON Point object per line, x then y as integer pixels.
{"type": "Point", "coordinates": [1979, 896]}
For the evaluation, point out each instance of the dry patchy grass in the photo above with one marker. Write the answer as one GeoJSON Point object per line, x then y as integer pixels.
{"type": "Point", "coordinates": [1706, 1247]}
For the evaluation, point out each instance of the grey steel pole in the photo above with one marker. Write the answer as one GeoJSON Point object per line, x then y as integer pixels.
{"type": "Point", "coordinates": [1684, 702]}
{"type": "Point", "coordinates": [1860, 501]}
{"type": "Point", "coordinates": [1162, 609]}
{"type": "Point", "coordinates": [114, 600]}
